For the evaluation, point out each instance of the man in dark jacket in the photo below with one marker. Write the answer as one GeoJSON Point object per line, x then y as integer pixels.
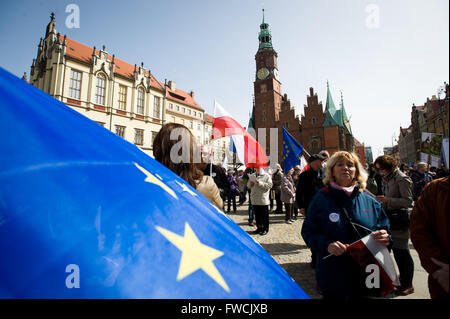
{"type": "Point", "coordinates": [420, 178]}
{"type": "Point", "coordinates": [309, 183]}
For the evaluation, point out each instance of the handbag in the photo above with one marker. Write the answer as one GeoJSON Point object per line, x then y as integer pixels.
{"type": "Point", "coordinates": [398, 218]}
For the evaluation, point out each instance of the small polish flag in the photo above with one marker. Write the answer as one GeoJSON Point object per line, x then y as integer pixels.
{"type": "Point", "coordinates": [367, 251]}
{"type": "Point", "coordinates": [248, 149]}
{"type": "Point", "coordinates": [303, 164]}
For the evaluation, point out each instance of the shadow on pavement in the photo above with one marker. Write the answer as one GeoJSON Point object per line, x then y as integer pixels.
{"type": "Point", "coordinates": [304, 276]}
{"type": "Point", "coordinates": [282, 248]}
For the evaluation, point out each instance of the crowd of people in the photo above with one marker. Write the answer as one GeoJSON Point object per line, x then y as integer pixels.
{"type": "Point", "coordinates": [340, 201]}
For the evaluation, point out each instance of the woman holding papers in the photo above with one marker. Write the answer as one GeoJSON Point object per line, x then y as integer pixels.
{"type": "Point", "coordinates": [339, 215]}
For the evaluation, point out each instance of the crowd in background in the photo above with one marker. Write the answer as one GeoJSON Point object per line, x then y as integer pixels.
{"type": "Point", "coordinates": [340, 185]}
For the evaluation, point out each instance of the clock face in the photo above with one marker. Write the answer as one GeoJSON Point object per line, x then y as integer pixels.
{"type": "Point", "coordinates": [262, 73]}
{"type": "Point", "coordinates": [275, 73]}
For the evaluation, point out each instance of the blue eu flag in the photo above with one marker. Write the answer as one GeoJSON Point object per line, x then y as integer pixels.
{"type": "Point", "coordinates": [86, 214]}
{"type": "Point", "coordinates": [291, 151]}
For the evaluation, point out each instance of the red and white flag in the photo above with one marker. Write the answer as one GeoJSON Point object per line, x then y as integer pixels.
{"type": "Point", "coordinates": [248, 149]}
{"type": "Point", "coordinates": [367, 251]}
{"type": "Point", "coordinates": [303, 164]}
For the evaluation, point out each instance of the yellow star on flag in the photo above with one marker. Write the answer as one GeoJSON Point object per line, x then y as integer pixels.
{"type": "Point", "coordinates": [220, 211]}
{"type": "Point", "coordinates": [195, 255]}
{"type": "Point", "coordinates": [186, 189]}
{"type": "Point", "coordinates": [153, 180]}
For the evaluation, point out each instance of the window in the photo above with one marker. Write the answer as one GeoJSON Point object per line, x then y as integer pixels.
{"type": "Point", "coordinates": [263, 88]}
{"type": "Point", "coordinates": [153, 136]}
{"type": "Point", "coordinates": [120, 130]}
{"type": "Point", "coordinates": [195, 113]}
{"type": "Point", "coordinates": [156, 107]}
{"type": "Point", "coordinates": [140, 102]}
{"type": "Point", "coordinates": [173, 119]}
{"type": "Point", "coordinates": [313, 121]}
{"type": "Point", "coordinates": [122, 97]}
{"type": "Point", "coordinates": [189, 112]}
{"type": "Point", "coordinates": [198, 126]}
{"type": "Point", "coordinates": [171, 106]}
{"type": "Point", "coordinates": [191, 124]}
{"type": "Point", "coordinates": [75, 84]}
{"type": "Point", "coordinates": [183, 110]}
{"type": "Point", "coordinates": [177, 108]}
{"type": "Point", "coordinates": [100, 92]}
{"type": "Point", "coordinates": [138, 136]}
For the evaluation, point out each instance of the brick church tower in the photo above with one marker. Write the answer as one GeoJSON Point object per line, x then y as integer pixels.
{"type": "Point", "coordinates": [318, 130]}
{"type": "Point", "coordinates": [271, 108]}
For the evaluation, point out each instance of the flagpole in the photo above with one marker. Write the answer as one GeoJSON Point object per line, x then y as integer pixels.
{"type": "Point", "coordinates": [212, 131]}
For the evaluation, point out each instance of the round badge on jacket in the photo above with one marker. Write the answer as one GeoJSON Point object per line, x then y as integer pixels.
{"type": "Point", "coordinates": [334, 217]}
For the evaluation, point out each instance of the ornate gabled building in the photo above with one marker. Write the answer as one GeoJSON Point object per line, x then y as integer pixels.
{"type": "Point", "coordinates": [124, 98]}
{"type": "Point", "coordinates": [316, 130]}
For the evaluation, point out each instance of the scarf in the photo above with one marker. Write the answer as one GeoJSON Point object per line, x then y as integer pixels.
{"type": "Point", "coordinates": [347, 190]}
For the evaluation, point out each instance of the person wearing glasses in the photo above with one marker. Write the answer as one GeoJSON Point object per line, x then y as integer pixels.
{"type": "Point", "coordinates": [398, 194]}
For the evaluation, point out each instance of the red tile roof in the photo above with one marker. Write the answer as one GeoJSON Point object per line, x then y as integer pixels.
{"type": "Point", "coordinates": [83, 53]}
{"type": "Point", "coordinates": [182, 97]}
{"type": "Point", "coordinates": [208, 118]}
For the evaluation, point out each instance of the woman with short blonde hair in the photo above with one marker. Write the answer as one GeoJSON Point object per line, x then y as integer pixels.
{"type": "Point", "coordinates": [331, 222]}
{"type": "Point", "coordinates": [360, 174]}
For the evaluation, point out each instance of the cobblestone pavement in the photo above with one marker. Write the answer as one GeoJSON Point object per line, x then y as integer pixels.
{"type": "Point", "coordinates": [285, 244]}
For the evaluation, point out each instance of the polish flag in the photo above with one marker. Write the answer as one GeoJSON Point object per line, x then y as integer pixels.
{"type": "Point", "coordinates": [367, 251]}
{"type": "Point", "coordinates": [304, 166]}
{"type": "Point", "coordinates": [248, 149]}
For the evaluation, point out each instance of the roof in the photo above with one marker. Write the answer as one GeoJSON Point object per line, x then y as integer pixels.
{"type": "Point", "coordinates": [182, 97]}
{"type": "Point", "coordinates": [83, 53]}
{"type": "Point", "coordinates": [208, 118]}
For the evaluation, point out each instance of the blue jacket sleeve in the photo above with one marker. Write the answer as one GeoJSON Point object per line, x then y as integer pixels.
{"type": "Point", "coordinates": [383, 222]}
{"type": "Point", "coordinates": [311, 230]}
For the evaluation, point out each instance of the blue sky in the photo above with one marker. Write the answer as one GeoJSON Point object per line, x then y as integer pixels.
{"type": "Point", "coordinates": [382, 63]}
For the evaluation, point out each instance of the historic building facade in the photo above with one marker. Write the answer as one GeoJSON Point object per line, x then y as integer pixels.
{"type": "Point", "coordinates": [431, 117]}
{"type": "Point", "coordinates": [126, 99]}
{"type": "Point", "coordinates": [316, 130]}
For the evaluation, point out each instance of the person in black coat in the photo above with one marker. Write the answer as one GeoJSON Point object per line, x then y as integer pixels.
{"type": "Point", "coordinates": [216, 172]}
{"type": "Point", "coordinates": [309, 183]}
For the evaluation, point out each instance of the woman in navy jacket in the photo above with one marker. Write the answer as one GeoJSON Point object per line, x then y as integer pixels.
{"type": "Point", "coordinates": [326, 230]}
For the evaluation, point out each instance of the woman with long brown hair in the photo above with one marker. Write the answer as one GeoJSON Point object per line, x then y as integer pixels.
{"type": "Point", "coordinates": [174, 146]}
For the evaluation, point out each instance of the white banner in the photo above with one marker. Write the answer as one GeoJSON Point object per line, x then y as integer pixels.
{"type": "Point", "coordinates": [445, 149]}
{"type": "Point", "coordinates": [435, 161]}
{"type": "Point", "coordinates": [424, 157]}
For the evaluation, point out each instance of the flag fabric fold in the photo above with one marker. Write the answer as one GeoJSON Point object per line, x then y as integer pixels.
{"type": "Point", "coordinates": [249, 151]}
{"type": "Point", "coordinates": [367, 251]}
{"type": "Point", "coordinates": [86, 214]}
{"type": "Point", "coordinates": [291, 150]}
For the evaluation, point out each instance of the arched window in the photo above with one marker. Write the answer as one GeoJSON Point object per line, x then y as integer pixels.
{"type": "Point", "coordinates": [100, 89]}
{"type": "Point", "coordinates": [313, 121]}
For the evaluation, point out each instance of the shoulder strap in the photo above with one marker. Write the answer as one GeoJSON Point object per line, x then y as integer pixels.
{"type": "Point", "coordinates": [348, 220]}
{"type": "Point", "coordinates": [346, 217]}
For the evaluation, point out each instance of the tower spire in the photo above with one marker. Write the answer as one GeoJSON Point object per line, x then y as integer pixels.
{"type": "Point", "coordinates": [265, 38]}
